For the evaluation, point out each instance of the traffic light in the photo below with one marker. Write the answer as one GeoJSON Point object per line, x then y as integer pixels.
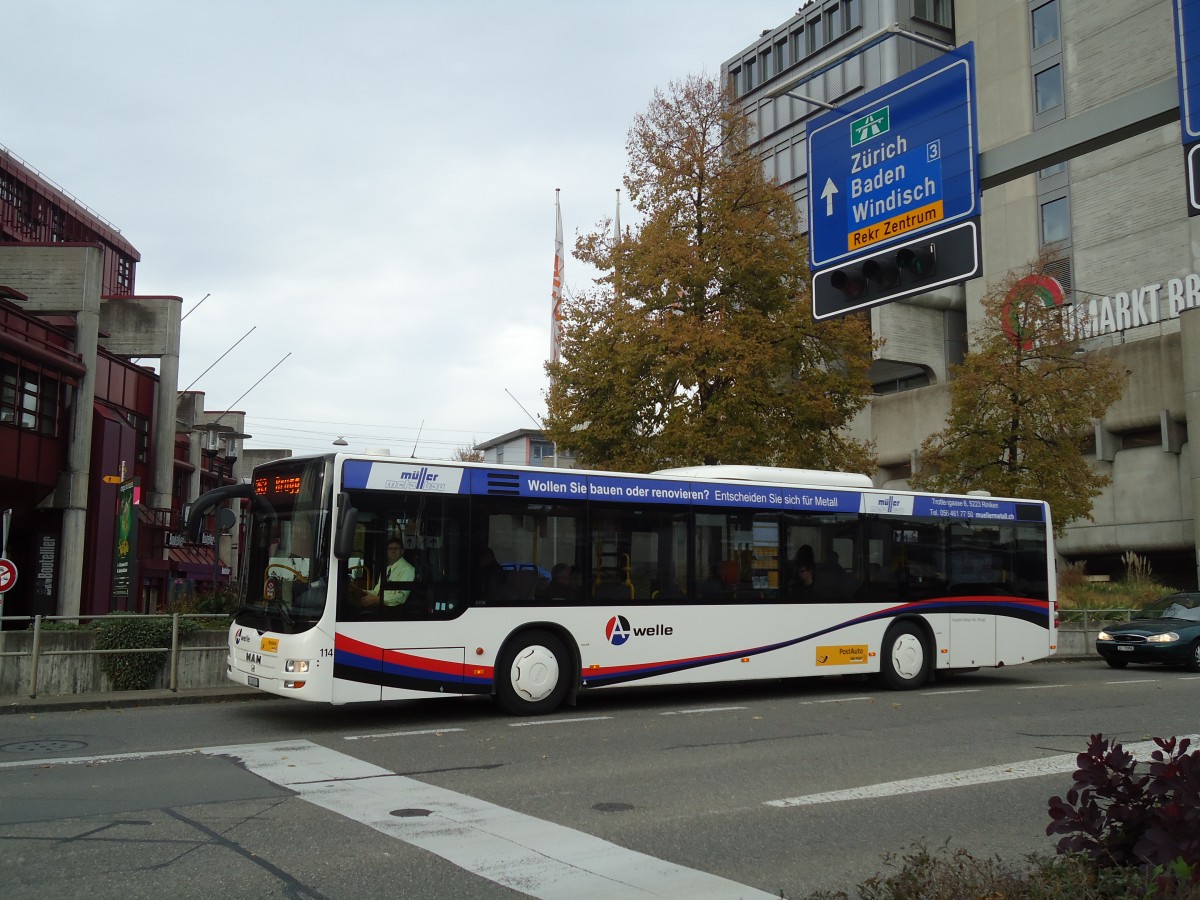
{"type": "Point", "coordinates": [919, 262]}
{"type": "Point", "coordinates": [849, 282]}
{"type": "Point", "coordinates": [886, 272]}
{"type": "Point", "coordinates": [920, 266]}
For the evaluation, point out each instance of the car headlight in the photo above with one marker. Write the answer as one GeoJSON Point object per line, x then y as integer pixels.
{"type": "Point", "coordinates": [1167, 637]}
{"type": "Point", "coordinates": [295, 665]}
{"type": "Point", "coordinates": [1104, 636]}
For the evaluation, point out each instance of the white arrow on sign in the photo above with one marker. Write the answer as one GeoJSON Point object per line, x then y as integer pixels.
{"type": "Point", "coordinates": [827, 196]}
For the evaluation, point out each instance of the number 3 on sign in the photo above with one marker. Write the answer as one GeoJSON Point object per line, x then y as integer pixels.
{"type": "Point", "coordinates": [933, 151]}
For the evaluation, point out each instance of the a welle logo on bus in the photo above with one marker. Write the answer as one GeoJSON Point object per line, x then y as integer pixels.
{"type": "Point", "coordinates": [618, 630]}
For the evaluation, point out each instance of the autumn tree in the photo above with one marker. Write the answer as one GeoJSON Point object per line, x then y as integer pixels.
{"type": "Point", "coordinates": [696, 343]}
{"type": "Point", "coordinates": [1022, 403]}
{"type": "Point", "coordinates": [468, 453]}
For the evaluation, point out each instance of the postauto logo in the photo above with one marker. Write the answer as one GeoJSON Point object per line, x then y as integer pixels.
{"type": "Point", "coordinates": [618, 630]}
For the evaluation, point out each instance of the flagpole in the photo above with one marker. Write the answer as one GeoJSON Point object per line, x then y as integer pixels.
{"type": "Point", "coordinates": [556, 293]}
{"type": "Point", "coordinates": [616, 242]}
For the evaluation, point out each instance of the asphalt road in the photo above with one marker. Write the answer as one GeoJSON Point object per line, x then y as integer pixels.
{"type": "Point", "coordinates": [767, 790]}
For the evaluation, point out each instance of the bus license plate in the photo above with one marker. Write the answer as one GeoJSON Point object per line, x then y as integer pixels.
{"type": "Point", "coordinates": [252, 680]}
{"type": "Point", "coordinates": [1119, 647]}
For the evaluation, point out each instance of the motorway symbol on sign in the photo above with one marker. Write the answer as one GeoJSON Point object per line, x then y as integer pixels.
{"type": "Point", "coordinates": [869, 126]}
{"type": "Point", "coordinates": [896, 163]}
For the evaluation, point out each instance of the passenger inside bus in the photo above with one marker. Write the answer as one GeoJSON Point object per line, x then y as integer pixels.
{"type": "Point", "coordinates": [560, 587]}
{"type": "Point", "coordinates": [804, 585]}
{"type": "Point", "coordinates": [489, 575]}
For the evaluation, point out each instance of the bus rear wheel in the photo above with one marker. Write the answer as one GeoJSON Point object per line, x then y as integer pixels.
{"type": "Point", "coordinates": [532, 675]}
{"type": "Point", "coordinates": [906, 659]}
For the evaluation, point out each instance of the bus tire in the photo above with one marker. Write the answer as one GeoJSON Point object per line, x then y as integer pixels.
{"type": "Point", "coordinates": [906, 657]}
{"type": "Point", "coordinates": [533, 673]}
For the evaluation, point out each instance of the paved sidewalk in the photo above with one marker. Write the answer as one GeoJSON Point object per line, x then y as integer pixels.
{"type": "Point", "coordinates": [125, 699]}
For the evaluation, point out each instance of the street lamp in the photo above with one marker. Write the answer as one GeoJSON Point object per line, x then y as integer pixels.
{"type": "Point", "coordinates": [341, 442]}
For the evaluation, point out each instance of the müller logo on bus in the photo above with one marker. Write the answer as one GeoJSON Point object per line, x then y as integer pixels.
{"type": "Point", "coordinates": [618, 630]}
{"type": "Point", "coordinates": [418, 479]}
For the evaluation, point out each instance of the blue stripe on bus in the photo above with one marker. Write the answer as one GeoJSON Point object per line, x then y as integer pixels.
{"type": "Point", "coordinates": [566, 485]}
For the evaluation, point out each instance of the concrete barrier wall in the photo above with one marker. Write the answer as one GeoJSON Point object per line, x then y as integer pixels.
{"type": "Point", "coordinates": [202, 661]}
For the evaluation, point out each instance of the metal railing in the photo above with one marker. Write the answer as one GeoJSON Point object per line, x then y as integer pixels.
{"type": "Point", "coordinates": [1094, 617]}
{"type": "Point", "coordinates": [36, 653]}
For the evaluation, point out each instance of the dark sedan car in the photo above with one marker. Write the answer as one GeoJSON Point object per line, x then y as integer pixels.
{"type": "Point", "coordinates": [1167, 631]}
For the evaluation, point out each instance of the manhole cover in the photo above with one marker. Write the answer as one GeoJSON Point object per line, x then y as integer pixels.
{"type": "Point", "coordinates": [409, 813]}
{"type": "Point", "coordinates": [613, 807]}
{"type": "Point", "coordinates": [42, 746]}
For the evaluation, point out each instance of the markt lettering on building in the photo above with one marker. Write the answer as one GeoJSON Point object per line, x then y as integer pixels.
{"type": "Point", "coordinates": [1146, 305]}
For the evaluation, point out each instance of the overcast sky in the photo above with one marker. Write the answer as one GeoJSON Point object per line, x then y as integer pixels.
{"type": "Point", "coordinates": [368, 185]}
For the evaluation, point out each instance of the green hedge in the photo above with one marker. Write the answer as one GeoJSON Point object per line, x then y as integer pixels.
{"type": "Point", "coordinates": [128, 631]}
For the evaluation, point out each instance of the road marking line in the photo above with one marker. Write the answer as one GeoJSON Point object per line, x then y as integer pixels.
{"type": "Point", "coordinates": [834, 700]}
{"type": "Point", "coordinates": [1038, 687]}
{"type": "Point", "coordinates": [92, 760]}
{"type": "Point", "coordinates": [689, 712]}
{"type": "Point", "coordinates": [520, 852]}
{"type": "Point", "coordinates": [944, 693]}
{"type": "Point", "coordinates": [1134, 681]}
{"type": "Point", "coordinates": [559, 721]}
{"type": "Point", "coordinates": [1033, 768]}
{"type": "Point", "coordinates": [387, 734]}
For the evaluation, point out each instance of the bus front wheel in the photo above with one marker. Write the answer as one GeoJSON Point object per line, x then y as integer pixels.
{"type": "Point", "coordinates": [906, 657]}
{"type": "Point", "coordinates": [532, 674]}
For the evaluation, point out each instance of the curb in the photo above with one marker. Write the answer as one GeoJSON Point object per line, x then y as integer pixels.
{"type": "Point", "coordinates": [128, 699]}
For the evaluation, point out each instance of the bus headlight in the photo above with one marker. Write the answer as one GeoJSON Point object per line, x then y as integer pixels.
{"type": "Point", "coordinates": [295, 665]}
{"type": "Point", "coordinates": [1167, 637]}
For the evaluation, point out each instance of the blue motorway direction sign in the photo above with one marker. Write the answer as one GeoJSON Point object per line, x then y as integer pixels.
{"type": "Point", "coordinates": [1187, 58]}
{"type": "Point", "coordinates": [895, 163]}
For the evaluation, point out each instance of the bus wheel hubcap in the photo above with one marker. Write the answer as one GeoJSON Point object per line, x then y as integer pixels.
{"type": "Point", "coordinates": [534, 673]}
{"type": "Point", "coordinates": [908, 656]}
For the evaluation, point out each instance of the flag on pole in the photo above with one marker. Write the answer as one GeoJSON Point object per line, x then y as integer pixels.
{"type": "Point", "coordinates": [557, 289]}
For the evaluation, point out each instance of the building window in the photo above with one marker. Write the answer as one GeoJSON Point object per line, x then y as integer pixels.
{"type": "Point", "coordinates": [833, 23]}
{"type": "Point", "coordinates": [851, 14]}
{"type": "Point", "coordinates": [781, 61]}
{"type": "Point", "coordinates": [1045, 24]}
{"type": "Point", "coordinates": [124, 274]}
{"type": "Point", "coordinates": [1056, 221]}
{"type": "Point", "coordinates": [798, 46]}
{"type": "Point", "coordinates": [815, 40]}
{"type": "Point", "coordinates": [1048, 89]}
{"type": "Point", "coordinates": [29, 399]}
{"type": "Point", "coordinates": [141, 428]}
{"type": "Point", "coordinates": [939, 12]}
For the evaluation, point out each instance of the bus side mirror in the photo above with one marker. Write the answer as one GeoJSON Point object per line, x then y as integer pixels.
{"type": "Point", "coordinates": [343, 545]}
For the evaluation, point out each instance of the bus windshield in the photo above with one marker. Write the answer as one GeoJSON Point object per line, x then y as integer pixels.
{"type": "Point", "coordinates": [288, 552]}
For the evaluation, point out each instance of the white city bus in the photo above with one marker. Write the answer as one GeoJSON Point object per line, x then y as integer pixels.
{"type": "Point", "coordinates": [534, 584]}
